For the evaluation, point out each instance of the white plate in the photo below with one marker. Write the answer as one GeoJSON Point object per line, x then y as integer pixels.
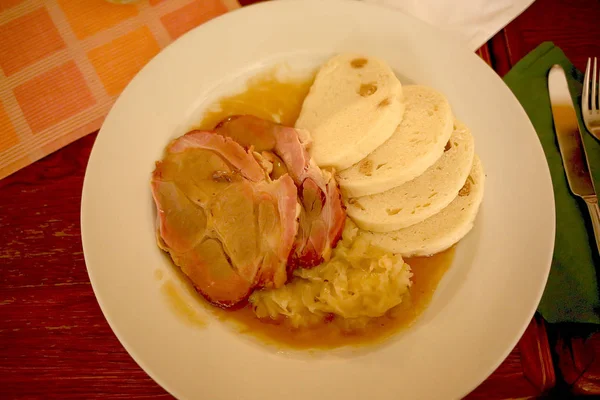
{"type": "Point", "coordinates": [484, 302]}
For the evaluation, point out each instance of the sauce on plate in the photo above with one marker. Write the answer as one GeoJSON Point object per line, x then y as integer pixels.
{"type": "Point", "coordinates": [427, 273]}
{"type": "Point", "coordinates": [266, 97]}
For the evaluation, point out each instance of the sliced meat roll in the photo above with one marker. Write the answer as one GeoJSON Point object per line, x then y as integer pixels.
{"type": "Point", "coordinates": [283, 150]}
{"type": "Point", "coordinates": [222, 220]}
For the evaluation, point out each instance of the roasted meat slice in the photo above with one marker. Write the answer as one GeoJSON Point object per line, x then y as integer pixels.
{"type": "Point", "coordinates": [284, 150]}
{"type": "Point", "coordinates": [225, 224]}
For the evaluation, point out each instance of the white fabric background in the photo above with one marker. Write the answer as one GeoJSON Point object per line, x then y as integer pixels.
{"type": "Point", "coordinates": [472, 21]}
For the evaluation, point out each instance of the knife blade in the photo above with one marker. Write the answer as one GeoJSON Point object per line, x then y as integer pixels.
{"type": "Point", "coordinates": [568, 134]}
{"type": "Point", "coordinates": [571, 146]}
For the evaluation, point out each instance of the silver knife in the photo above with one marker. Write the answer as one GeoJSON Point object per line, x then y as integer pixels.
{"type": "Point", "coordinates": [571, 147]}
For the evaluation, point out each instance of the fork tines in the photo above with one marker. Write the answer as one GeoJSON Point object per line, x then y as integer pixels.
{"type": "Point", "coordinates": [589, 101]}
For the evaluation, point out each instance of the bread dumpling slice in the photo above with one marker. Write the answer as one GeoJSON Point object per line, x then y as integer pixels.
{"type": "Point", "coordinates": [424, 196]}
{"type": "Point", "coordinates": [416, 144]}
{"type": "Point", "coordinates": [442, 230]}
{"type": "Point", "coordinates": [353, 107]}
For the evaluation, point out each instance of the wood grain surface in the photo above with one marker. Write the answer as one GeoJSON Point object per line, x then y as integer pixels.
{"type": "Point", "coordinates": [54, 341]}
{"type": "Point", "coordinates": [56, 344]}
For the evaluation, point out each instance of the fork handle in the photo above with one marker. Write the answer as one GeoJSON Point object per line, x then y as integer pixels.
{"type": "Point", "coordinates": [592, 204]}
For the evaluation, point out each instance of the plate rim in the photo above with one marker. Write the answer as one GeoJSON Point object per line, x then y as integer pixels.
{"type": "Point", "coordinates": [248, 10]}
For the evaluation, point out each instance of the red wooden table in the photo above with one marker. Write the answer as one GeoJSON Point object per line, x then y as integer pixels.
{"type": "Point", "coordinates": [55, 342]}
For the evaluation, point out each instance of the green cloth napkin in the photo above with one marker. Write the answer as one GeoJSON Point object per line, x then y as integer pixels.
{"type": "Point", "coordinates": [571, 294]}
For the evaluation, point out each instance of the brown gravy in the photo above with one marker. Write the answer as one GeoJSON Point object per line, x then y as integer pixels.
{"type": "Point", "coordinates": [280, 101]}
{"type": "Point", "coordinates": [265, 97]}
{"type": "Point", "coordinates": [177, 303]}
{"type": "Point", "coordinates": [427, 273]}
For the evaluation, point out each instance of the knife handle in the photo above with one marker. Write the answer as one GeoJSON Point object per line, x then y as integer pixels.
{"type": "Point", "coordinates": [592, 204]}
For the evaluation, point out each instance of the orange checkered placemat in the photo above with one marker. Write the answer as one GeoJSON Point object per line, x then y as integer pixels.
{"type": "Point", "coordinates": [64, 62]}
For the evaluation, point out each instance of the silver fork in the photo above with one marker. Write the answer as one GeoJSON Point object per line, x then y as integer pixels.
{"type": "Point", "coordinates": [589, 104]}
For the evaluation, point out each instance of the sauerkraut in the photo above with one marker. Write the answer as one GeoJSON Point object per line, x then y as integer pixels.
{"type": "Point", "coordinates": [359, 282]}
